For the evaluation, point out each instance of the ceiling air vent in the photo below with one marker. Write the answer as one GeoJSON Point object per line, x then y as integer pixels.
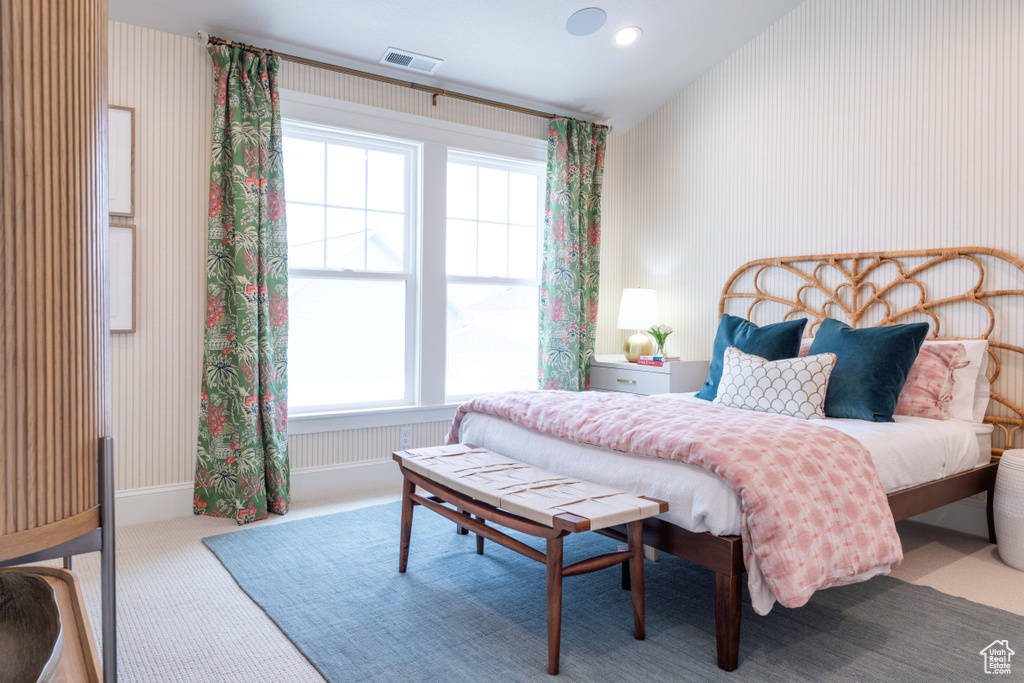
{"type": "Point", "coordinates": [410, 61]}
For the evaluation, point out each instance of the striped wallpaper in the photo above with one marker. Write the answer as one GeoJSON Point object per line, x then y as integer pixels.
{"type": "Point", "coordinates": [155, 371]}
{"type": "Point", "coordinates": [849, 125]}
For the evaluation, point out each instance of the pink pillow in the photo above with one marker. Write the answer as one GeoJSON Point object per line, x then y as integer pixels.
{"type": "Point", "coordinates": [929, 387]}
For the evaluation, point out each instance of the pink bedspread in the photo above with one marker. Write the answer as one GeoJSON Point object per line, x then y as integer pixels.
{"type": "Point", "coordinates": [814, 511]}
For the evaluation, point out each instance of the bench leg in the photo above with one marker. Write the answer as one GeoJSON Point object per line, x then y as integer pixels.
{"type": "Point", "coordinates": [408, 488]}
{"type": "Point", "coordinates": [727, 620]}
{"type": "Point", "coordinates": [635, 531]}
{"type": "Point", "coordinates": [554, 557]}
{"type": "Point", "coordinates": [479, 538]}
{"type": "Point", "coordinates": [459, 529]}
{"type": "Point", "coordinates": [626, 585]}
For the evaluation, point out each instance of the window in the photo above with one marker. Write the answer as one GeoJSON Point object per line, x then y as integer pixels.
{"type": "Point", "coordinates": [414, 261]}
{"type": "Point", "coordinates": [351, 207]}
{"type": "Point", "coordinates": [493, 217]}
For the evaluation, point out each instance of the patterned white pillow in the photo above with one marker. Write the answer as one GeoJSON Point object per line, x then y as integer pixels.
{"type": "Point", "coordinates": [793, 386]}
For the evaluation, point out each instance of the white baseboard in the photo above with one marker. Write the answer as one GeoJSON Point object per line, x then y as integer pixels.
{"type": "Point", "coordinates": [332, 480]}
{"type": "Point", "coordinates": [156, 503]}
{"type": "Point", "coordinates": [152, 504]}
{"type": "Point", "coordinates": [968, 516]}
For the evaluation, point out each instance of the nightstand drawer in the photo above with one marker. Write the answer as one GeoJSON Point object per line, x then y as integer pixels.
{"type": "Point", "coordinates": [631, 380]}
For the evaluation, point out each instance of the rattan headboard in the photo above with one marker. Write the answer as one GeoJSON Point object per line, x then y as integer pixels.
{"type": "Point", "coordinates": [885, 288]}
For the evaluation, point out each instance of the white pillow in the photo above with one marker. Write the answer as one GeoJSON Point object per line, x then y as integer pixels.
{"type": "Point", "coordinates": [970, 383]}
{"type": "Point", "coordinates": [792, 386]}
{"type": "Point", "coordinates": [981, 388]}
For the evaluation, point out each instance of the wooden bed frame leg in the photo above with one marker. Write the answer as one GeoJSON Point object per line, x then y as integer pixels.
{"type": "Point", "coordinates": [636, 576]}
{"type": "Point", "coordinates": [554, 562]}
{"type": "Point", "coordinates": [728, 594]}
{"type": "Point", "coordinates": [408, 488]}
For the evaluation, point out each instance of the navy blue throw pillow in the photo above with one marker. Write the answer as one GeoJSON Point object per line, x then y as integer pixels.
{"type": "Point", "coordinates": [871, 367]}
{"type": "Point", "coordinates": [771, 342]}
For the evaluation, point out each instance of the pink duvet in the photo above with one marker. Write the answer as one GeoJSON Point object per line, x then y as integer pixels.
{"type": "Point", "coordinates": [814, 511]}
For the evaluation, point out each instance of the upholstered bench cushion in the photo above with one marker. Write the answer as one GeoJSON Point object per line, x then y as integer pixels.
{"type": "Point", "coordinates": [530, 492]}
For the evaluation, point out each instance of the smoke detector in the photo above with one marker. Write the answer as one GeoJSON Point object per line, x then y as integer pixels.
{"type": "Point", "coordinates": [410, 61]}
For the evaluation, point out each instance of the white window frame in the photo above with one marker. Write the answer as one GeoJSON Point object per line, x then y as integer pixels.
{"type": "Point", "coordinates": [504, 164]}
{"type": "Point", "coordinates": [437, 138]}
{"type": "Point", "coordinates": [412, 151]}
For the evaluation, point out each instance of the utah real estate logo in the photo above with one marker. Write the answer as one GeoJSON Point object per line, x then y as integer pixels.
{"type": "Point", "coordinates": [997, 657]}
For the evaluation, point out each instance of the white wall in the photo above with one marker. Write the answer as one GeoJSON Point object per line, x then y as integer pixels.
{"type": "Point", "coordinates": [168, 80]}
{"type": "Point", "coordinates": [849, 125]}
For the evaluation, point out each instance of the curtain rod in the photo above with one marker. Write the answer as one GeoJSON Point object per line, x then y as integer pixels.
{"type": "Point", "coordinates": [205, 39]}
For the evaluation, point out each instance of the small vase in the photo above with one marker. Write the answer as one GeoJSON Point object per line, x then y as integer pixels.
{"type": "Point", "coordinates": [660, 350]}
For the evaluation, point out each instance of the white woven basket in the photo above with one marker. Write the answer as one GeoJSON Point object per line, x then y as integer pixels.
{"type": "Point", "coordinates": [1008, 508]}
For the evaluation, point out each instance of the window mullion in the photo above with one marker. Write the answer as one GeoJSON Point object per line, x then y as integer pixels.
{"type": "Point", "coordinates": [366, 209]}
{"type": "Point", "coordinates": [476, 217]}
{"type": "Point", "coordinates": [434, 286]}
{"type": "Point", "coordinates": [508, 224]}
{"type": "Point", "coordinates": [327, 148]}
{"type": "Point", "coordinates": [349, 274]}
{"type": "Point", "coordinates": [476, 280]}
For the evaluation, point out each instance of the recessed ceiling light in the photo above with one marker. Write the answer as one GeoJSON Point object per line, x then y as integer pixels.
{"type": "Point", "coordinates": [628, 35]}
{"type": "Point", "coordinates": [585, 21]}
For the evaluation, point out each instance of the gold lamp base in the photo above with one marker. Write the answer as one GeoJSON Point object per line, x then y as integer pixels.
{"type": "Point", "coordinates": [640, 344]}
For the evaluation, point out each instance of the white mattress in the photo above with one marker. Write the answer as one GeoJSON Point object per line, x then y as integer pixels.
{"type": "Point", "coordinates": [908, 452]}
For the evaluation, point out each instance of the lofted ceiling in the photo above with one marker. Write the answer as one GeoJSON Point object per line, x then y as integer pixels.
{"type": "Point", "coordinates": [516, 51]}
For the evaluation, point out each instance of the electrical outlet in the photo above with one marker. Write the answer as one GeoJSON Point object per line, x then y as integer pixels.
{"type": "Point", "coordinates": [405, 437]}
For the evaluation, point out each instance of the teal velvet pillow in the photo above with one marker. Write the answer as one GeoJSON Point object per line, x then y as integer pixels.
{"type": "Point", "coordinates": [871, 367]}
{"type": "Point", "coordinates": [771, 342]}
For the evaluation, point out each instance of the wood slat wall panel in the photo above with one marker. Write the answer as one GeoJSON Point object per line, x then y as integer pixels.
{"type": "Point", "coordinates": [355, 445]}
{"type": "Point", "coordinates": [167, 79]}
{"type": "Point", "coordinates": [849, 125]}
{"type": "Point", "coordinates": [54, 375]}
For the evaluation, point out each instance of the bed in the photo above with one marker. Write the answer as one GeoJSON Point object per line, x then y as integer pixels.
{"type": "Point", "coordinates": [922, 463]}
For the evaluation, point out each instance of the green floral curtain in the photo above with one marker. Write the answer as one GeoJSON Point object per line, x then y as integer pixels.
{"type": "Point", "coordinates": [572, 255]}
{"type": "Point", "coordinates": [242, 459]}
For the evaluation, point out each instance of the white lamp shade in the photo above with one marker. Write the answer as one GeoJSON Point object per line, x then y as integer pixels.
{"type": "Point", "coordinates": [638, 309]}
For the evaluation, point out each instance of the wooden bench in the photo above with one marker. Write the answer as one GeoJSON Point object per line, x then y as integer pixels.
{"type": "Point", "coordinates": [476, 482]}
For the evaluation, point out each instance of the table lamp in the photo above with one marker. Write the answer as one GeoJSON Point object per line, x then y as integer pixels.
{"type": "Point", "coordinates": [638, 311]}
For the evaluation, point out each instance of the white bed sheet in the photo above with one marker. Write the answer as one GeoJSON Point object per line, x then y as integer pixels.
{"type": "Point", "coordinates": [908, 452]}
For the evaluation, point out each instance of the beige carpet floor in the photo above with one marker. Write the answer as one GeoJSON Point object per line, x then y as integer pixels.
{"type": "Point", "coordinates": [183, 619]}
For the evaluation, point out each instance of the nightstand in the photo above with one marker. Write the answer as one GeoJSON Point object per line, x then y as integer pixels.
{"type": "Point", "coordinates": [614, 373]}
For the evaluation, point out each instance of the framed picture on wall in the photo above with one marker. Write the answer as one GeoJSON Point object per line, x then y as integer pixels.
{"type": "Point", "coordinates": [122, 278]}
{"type": "Point", "coordinates": [121, 160]}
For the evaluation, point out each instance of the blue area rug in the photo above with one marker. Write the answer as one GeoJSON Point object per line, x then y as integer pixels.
{"type": "Point", "coordinates": [332, 585]}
